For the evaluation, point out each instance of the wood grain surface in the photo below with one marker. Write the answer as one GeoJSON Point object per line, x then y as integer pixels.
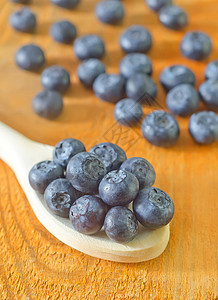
{"type": "Point", "coordinates": [34, 264]}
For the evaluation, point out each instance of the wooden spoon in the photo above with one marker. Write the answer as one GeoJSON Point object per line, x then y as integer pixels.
{"type": "Point", "coordinates": [21, 154]}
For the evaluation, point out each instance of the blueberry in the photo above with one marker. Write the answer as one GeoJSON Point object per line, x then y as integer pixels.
{"type": "Point", "coordinates": [118, 187]}
{"type": "Point", "coordinates": [160, 128]}
{"type": "Point", "coordinates": [109, 87]}
{"type": "Point", "coordinates": [176, 74]}
{"type": "Point", "coordinates": [89, 70]}
{"type": "Point", "coordinates": [23, 20]}
{"type": "Point", "coordinates": [153, 208]}
{"type": "Point", "coordinates": [142, 169]}
{"type": "Point", "coordinates": [156, 5]}
{"type": "Point", "coordinates": [211, 71]}
{"type": "Point", "coordinates": [59, 196]}
{"type": "Point", "coordinates": [111, 155]}
{"type": "Point", "coordinates": [69, 4]}
{"type": "Point", "coordinates": [89, 46]}
{"type": "Point", "coordinates": [135, 63]}
{"type": "Point", "coordinates": [30, 57]}
{"type": "Point", "coordinates": [203, 127]}
{"type": "Point", "coordinates": [136, 38]}
{"type": "Point", "coordinates": [128, 112]}
{"type": "Point", "coordinates": [44, 173]}
{"type": "Point", "coordinates": [87, 214]}
{"type": "Point", "coordinates": [209, 93]}
{"type": "Point", "coordinates": [120, 224]}
{"type": "Point", "coordinates": [196, 45]}
{"type": "Point", "coordinates": [55, 78]}
{"type": "Point", "coordinates": [48, 104]}
{"type": "Point", "coordinates": [66, 149]}
{"type": "Point", "coordinates": [139, 85]}
{"type": "Point", "coordinates": [182, 100]}
{"type": "Point", "coordinates": [63, 31]}
{"type": "Point", "coordinates": [173, 17]}
{"type": "Point", "coordinates": [21, 1]}
{"type": "Point", "coordinates": [109, 12]}
{"type": "Point", "coordinates": [85, 171]}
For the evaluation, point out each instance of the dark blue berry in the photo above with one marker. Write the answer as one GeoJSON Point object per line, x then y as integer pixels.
{"type": "Point", "coordinates": [89, 70]}
{"type": "Point", "coordinates": [182, 100]}
{"type": "Point", "coordinates": [118, 187]}
{"type": "Point", "coordinates": [139, 85]}
{"type": "Point", "coordinates": [55, 78]}
{"type": "Point", "coordinates": [173, 17]}
{"type": "Point", "coordinates": [23, 20]}
{"type": "Point", "coordinates": [85, 171]}
{"type": "Point", "coordinates": [209, 93]}
{"type": "Point", "coordinates": [21, 1]}
{"type": "Point", "coordinates": [211, 71]}
{"type": "Point", "coordinates": [63, 32]}
{"type": "Point", "coordinates": [156, 5]}
{"type": "Point", "coordinates": [66, 149]}
{"type": "Point", "coordinates": [59, 196]}
{"type": "Point", "coordinates": [136, 38]}
{"type": "Point", "coordinates": [69, 4]}
{"type": "Point", "coordinates": [196, 45]}
{"type": "Point", "coordinates": [109, 12]}
{"type": "Point", "coordinates": [89, 46]}
{"type": "Point", "coordinates": [44, 173]}
{"type": "Point", "coordinates": [203, 127]}
{"type": "Point", "coordinates": [128, 112]}
{"type": "Point", "coordinates": [176, 74]}
{"type": "Point", "coordinates": [48, 104]}
{"type": "Point", "coordinates": [153, 208]}
{"type": "Point", "coordinates": [109, 87]}
{"type": "Point", "coordinates": [111, 155]}
{"type": "Point", "coordinates": [87, 214]}
{"type": "Point", "coordinates": [135, 63]}
{"type": "Point", "coordinates": [120, 224]}
{"type": "Point", "coordinates": [142, 169]}
{"type": "Point", "coordinates": [160, 128]}
{"type": "Point", "coordinates": [30, 57]}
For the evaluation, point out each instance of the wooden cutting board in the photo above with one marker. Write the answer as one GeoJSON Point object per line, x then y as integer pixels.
{"type": "Point", "coordinates": [34, 264]}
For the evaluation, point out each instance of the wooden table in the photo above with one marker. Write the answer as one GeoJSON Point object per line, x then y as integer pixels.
{"type": "Point", "coordinates": [34, 264]}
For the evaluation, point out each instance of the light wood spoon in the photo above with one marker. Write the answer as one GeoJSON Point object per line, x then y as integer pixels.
{"type": "Point", "coordinates": [21, 154]}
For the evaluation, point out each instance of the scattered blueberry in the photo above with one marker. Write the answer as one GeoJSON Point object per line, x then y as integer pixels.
{"type": "Point", "coordinates": [118, 187]}
{"type": "Point", "coordinates": [55, 78]}
{"type": "Point", "coordinates": [153, 208]}
{"type": "Point", "coordinates": [109, 87]}
{"type": "Point", "coordinates": [142, 169]}
{"type": "Point", "coordinates": [69, 4]}
{"type": "Point", "coordinates": [209, 93]}
{"type": "Point", "coordinates": [63, 32]}
{"type": "Point", "coordinates": [48, 104]}
{"type": "Point", "coordinates": [21, 1]}
{"type": "Point", "coordinates": [203, 127]}
{"type": "Point", "coordinates": [120, 224]}
{"type": "Point", "coordinates": [139, 85]}
{"type": "Point", "coordinates": [89, 70]}
{"type": "Point", "coordinates": [111, 155]}
{"type": "Point", "coordinates": [196, 45]}
{"type": "Point", "coordinates": [89, 46]}
{"type": "Point", "coordinates": [30, 57]}
{"type": "Point", "coordinates": [109, 12]}
{"type": "Point", "coordinates": [85, 171]}
{"type": "Point", "coordinates": [211, 71]}
{"type": "Point", "coordinates": [23, 20]}
{"type": "Point", "coordinates": [65, 150]}
{"type": "Point", "coordinates": [156, 5]}
{"type": "Point", "coordinates": [160, 128]}
{"type": "Point", "coordinates": [59, 196]}
{"type": "Point", "coordinates": [87, 214]}
{"type": "Point", "coordinates": [173, 17]}
{"type": "Point", "coordinates": [135, 63]}
{"type": "Point", "coordinates": [136, 38]}
{"type": "Point", "coordinates": [176, 74]}
{"type": "Point", "coordinates": [182, 100]}
{"type": "Point", "coordinates": [128, 112]}
{"type": "Point", "coordinates": [44, 173]}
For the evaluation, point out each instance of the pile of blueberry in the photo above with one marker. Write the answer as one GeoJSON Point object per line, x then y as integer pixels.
{"type": "Point", "coordinates": [95, 189]}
